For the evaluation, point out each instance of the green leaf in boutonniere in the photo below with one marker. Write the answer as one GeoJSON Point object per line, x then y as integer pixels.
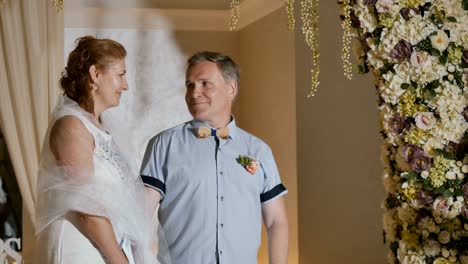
{"type": "Point", "coordinates": [249, 163]}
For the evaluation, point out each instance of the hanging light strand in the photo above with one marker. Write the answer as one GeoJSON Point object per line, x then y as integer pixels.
{"type": "Point", "coordinates": [289, 4]}
{"type": "Point", "coordinates": [346, 41]}
{"type": "Point", "coordinates": [235, 15]}
{"type": "Point", "coordinates": [309, 16]}
{"type": "Point", "coordinates": [57, 4]}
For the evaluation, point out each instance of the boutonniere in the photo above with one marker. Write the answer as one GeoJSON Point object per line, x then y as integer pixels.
{"type": "Point", "coordinates": [249, 163]}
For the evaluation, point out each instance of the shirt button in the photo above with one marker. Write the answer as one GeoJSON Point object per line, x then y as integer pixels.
{"type": "Point", "coordinates": [222, 225]}
{"type": "Point", "coordinates": [221, 252]}
{"type": "Point", "coordinates": [222, 198]}
{"type": "Point", "coordinates": [220, 172]}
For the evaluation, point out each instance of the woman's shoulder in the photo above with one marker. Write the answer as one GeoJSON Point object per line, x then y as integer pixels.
{"type": "Point", "coordinates": [68, 126]}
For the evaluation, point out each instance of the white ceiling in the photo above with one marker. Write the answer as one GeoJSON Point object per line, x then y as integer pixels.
{"type": "Point", "coordinates": [166, 4]}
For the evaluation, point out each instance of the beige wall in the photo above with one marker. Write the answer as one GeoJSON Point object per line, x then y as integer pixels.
{"type": "Point", "coordinates": [266, 104]}
{"type": "Point", "coordinates": [339, 172]}
{"type": "Point", "coordinates": [192, 41]}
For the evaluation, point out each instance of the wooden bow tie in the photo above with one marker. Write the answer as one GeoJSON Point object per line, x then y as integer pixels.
{"type": "Point", "coordinates": [204, 132]}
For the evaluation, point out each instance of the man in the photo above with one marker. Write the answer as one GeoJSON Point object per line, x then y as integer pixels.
{"type": "Point", "coordinates": [214, 180]}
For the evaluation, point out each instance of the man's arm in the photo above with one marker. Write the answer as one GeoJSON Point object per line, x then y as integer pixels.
{"type": "Point", "coordinates": [276, 222]}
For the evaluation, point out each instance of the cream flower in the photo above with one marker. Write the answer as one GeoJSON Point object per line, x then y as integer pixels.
{"type": "Point", "coordinates": [432, 248]}
{"type": "Point", "coordinates": [425, 120]}
{"type": "Point", "coordinates": [418, 58]}
{"type": "Point", "coordinates": [440, 41]}
{"type": "Point", "coordinates": [444, 237]}
{"type": "Point", "coordinates": [384, 6]}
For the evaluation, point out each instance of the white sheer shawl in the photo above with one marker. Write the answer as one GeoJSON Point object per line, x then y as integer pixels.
{"type": "Point", "coordinates": [103, 187]}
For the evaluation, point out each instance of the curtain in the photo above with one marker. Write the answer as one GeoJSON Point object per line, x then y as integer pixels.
{"type": "Point", "coordinates": [31, 60]}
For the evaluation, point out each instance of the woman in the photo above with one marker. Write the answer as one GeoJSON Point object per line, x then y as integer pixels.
{"type": "Point", "coordinates": [90, 207]}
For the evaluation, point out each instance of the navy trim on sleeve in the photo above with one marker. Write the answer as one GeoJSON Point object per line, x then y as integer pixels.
{"type": "Point", "coordinates": [153, 182]}
{"type": "Point", "coordinates": [277, 190]}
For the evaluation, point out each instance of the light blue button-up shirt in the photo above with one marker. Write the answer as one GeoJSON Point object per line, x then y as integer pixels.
{"type": "Point", "coordinates": [211, 206]}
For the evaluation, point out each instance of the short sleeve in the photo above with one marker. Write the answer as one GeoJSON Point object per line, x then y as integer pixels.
{"type": "Point", "coordinates": [272, 187]}
{"type": "Point", "coordinates": [151, 171]}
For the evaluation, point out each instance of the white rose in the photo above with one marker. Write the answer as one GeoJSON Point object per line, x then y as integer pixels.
{"type": "Point", "coordinates": [445, 253]}
{"type": "Point", "coordinates": [432, 248]}
{"type": "Point", "coordinates": [452, 214]}
{"type": "Point", "coordinates": [425, 120]}
{"type": "Point", "coordinates": [444, 237]}
{"type": "Point", "coordinates": [440, 41]}
{"type": "Point", "coordinates": [450, 175]}
{"type": "Point", "coordinates": [465, 169]}
{"type": "Point", "coordinates": [424, 174]}
{"type": "Point", "coordinates": [451, 68]}
{"type": "Point", "coordinates": [384, 6]}
{"type": "Point", "coordinates": [418, 58]}
{"type": "Point", "coordinates": [452, 259]}
{"type": "Point", "coordinates": [457, 205]}
{"type": "Point", "coordinates": [425, 233]}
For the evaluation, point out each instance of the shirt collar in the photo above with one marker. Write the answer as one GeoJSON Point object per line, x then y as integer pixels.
{"type": "Point", "coordinates": [232, 126]}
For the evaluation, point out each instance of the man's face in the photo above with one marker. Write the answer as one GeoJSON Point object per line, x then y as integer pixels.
{"type": "Point", "coordinates": [209, 97]}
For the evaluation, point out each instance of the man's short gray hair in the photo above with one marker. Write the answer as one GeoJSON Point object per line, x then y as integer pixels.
{"type": "Point", "coordinates": [228, 67]}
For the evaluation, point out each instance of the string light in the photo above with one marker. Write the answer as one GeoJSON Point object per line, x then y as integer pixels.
{"type": "Point", "coordinates": [289, 4]}
{"type": "Point", "coordinates": [309, 16]}
{"type": "Point", "coordinates": [235, 14]}
{"type": "Point", "coordinates": [57, 4]}
{"type": "Point", "coordinates": [347, 38]}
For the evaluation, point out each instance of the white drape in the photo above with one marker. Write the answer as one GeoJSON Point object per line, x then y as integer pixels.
{"type": "Point", "coordinates": [31, 59]}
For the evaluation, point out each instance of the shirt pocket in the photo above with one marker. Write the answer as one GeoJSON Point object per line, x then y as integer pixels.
{"type": "Point", "coordinates": [244, 180]}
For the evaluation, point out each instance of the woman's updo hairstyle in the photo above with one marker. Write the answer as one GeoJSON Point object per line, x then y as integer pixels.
{"type": "Point", "coordinates": [76, 80]}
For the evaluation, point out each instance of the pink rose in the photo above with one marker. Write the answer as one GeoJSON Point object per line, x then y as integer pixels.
{"type": "Point", "coordinates": [425, 120]}
{"type": "Point", "coordinates": [384, 6]}
{"type": "Point", "coordinates": [418, 58]}
{"type": "Point", "coordinates": [252, 167]}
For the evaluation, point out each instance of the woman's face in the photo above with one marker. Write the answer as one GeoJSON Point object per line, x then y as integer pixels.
{"type": "Point", "coordinates": [110, 83]}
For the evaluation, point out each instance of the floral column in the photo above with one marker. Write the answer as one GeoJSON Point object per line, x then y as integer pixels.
{"type": "Point", "coordinates": [417, 51]}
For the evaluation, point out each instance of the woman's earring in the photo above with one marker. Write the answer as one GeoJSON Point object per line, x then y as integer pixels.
{"type": "Point", "coordinates": [94, 87]}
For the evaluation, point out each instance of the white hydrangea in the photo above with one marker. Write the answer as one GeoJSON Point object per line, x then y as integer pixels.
{"type": "Point", "coordinates": [453, 8]}
{"type": "Point", "coordinates": [413, 31]}
{"type": "Point", "coordinates": [449, 104]}
{"type": "Point", "coordinates": [432, 144]}
{"type": "Point", "coordinates": [366, 17]}
{"type": "Point", "coordinates": [374, 58]}
{"type": "Point", "coordinates": [411, 257]}
{"type": "Point", "coordinates": [427, 72]}
{"type": "Point", "coordinates": [391, 90]}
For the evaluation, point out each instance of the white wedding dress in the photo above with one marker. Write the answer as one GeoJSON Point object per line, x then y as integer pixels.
{"type": "Point", "coordinates": [108, 190]}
